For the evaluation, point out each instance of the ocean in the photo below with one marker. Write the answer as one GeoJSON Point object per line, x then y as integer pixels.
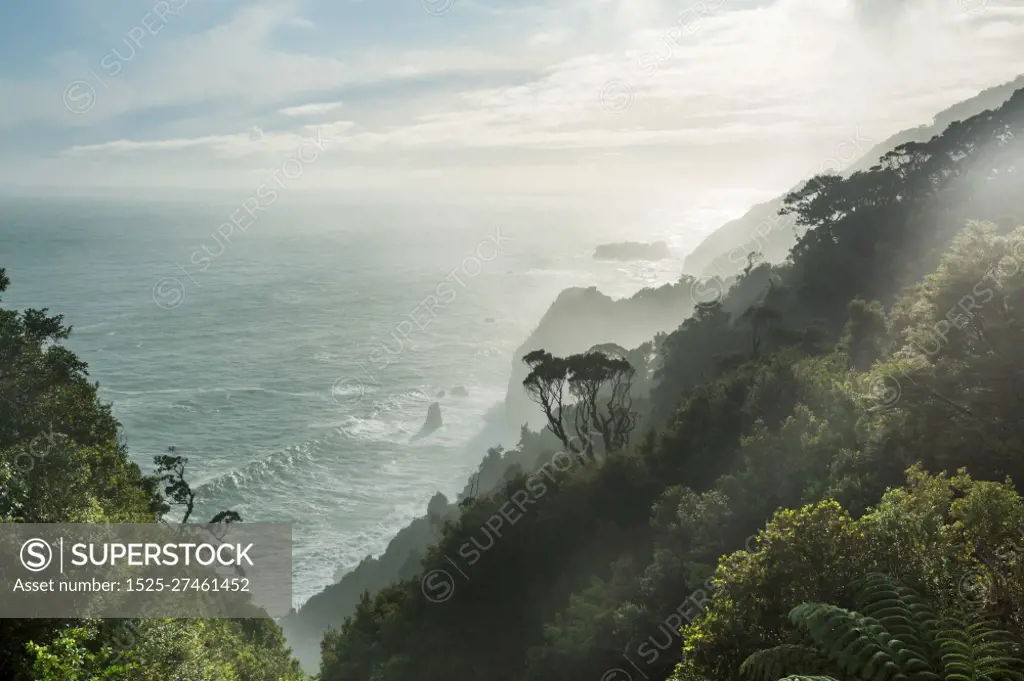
{"type": "Point", "coordinates": [292, 361]}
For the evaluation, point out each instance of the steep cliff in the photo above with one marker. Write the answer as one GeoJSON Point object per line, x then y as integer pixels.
{"type": "Point", "coordinates": [580, 318]}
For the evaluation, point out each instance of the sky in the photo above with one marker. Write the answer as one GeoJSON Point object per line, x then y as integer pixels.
{"type": "Point", "coordinates": [477, 96]}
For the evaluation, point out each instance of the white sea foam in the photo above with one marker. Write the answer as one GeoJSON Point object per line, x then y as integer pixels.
{"type": "Point", "coordinates": [239, 377]}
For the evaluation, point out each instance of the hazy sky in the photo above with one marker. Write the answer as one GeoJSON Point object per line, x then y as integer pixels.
{"type": "Point", "coordinates": [478, 95]}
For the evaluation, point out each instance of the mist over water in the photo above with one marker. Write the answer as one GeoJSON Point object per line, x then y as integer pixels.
{"type": "Point", "coordinates": [267, 370]}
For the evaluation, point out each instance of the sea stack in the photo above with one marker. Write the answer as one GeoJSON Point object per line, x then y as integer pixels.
{"type": "Point", "coordinates": [432, 423]}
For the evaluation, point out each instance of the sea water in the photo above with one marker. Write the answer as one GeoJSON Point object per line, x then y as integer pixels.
{"type": "Point", "coordinates": [292, 360]}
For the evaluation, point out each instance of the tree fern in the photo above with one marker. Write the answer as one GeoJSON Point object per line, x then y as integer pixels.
{"type": "Point", "coordinates": [906, 617]}
{"type": "Point", "coordinates": [894, 636]}
{"type": "Point", "coordinates": [858, 645]}
{"type": "Point", "coordinates": [978, 652]}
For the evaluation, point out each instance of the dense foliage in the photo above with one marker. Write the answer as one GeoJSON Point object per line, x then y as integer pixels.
{"type": "Point", "coordinates": [814, 475]}
{"type": "Point", "coordinates": [889, 341]}
{"type": "Point", "coordinates": [61, 460]}
{"type": "Point", "coordinates": [893, 634]}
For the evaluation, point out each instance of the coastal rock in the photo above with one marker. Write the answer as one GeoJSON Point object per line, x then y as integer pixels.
{"type": "Point", "coordinates": [633, 250]}
{"type": "Point", "coordinates": [459, 391]}
{"type": "Point", "coordinates": [432, 423]}
{"type": "Point", "coordinates": [437, 506]}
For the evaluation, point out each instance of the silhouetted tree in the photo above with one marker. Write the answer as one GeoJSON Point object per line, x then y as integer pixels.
{"type": "Point", "coordinates": [599, 386]}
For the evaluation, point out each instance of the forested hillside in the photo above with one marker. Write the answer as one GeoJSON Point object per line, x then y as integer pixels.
{"type": "Point", "coordinates": [816, 473]}
{"type": "Point", "coordinates": [831, 397]}
{"type": "Point", "coordinates": [762, 229]}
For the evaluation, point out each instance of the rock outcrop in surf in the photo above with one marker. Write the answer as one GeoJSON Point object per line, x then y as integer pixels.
{"type": "Point", "coordinates": [432, 423]}
{"type": "Point", "coordinates": [633, 250]}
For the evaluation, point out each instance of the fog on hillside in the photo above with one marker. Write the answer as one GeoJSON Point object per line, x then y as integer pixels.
{"type": "Point", "coordinates": [444, 340]}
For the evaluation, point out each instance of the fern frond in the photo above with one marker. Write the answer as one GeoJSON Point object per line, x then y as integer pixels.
{"type": "Point", "coordinates": [895, 636]}
{"type": "Point", "coordinates": [857, 644]}
{"type": "Point", "coordinates": [906, 617]}
{"type": "Point", "coordinates": [978, 651]}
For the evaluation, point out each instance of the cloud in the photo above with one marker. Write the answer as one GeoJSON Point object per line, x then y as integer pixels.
{"type": "Point", "coordinates": [316, 109]}
{"type": "Point", "coordinates": [255, 141]}
{"type": "Point", "coordinates": [794, 70]}
{"type": "Point", "coordinates": [125, 146]}
{"type": "Point", "coordinates": [752, 85]}
{"type": "Point", "coordinates": [236, 65]}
